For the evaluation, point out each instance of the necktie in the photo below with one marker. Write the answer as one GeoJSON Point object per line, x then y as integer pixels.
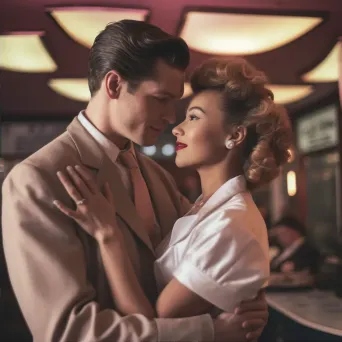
{"type": "Point", "coordinates": [142, 199]}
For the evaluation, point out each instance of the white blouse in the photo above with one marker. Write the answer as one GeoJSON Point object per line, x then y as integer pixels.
{"type": "Point", "coordinates": [220, 253]}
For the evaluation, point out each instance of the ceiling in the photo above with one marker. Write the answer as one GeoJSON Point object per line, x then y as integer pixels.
{"type": "Point", "coordinates": [27, 95]}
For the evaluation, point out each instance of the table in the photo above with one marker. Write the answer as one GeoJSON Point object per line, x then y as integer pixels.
{"type": "Point", "coordinates": [314, 309]}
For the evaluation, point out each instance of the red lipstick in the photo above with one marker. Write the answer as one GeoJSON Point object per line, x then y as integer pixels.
{"type": "Point", "coordinates": [180, 146]}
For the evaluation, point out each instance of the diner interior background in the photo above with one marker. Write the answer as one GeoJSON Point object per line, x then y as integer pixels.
{"type": "Point", "coordinates": [44, 47]}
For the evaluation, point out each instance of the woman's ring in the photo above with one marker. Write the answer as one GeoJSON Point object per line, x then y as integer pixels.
{"type": "Point", "coordinates": [82, 201]}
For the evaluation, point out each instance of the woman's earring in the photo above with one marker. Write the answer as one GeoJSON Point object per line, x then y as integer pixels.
{"type": "Point", "coordinates": [230, 144]}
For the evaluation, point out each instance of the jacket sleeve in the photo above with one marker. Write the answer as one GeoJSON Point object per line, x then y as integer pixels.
{"type": "Point", "coordinates": [47, 268]}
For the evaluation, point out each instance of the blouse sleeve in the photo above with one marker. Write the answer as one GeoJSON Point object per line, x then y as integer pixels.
{"type": "Point", "coordinates": [225, 262]}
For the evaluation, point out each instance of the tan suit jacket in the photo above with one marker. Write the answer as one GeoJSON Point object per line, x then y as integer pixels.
{"type": "Point", "coordinates": [55, 267]}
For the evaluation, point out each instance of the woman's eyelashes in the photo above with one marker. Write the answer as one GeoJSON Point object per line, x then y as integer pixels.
{"type": "Point", "coordinates": [192, 117]}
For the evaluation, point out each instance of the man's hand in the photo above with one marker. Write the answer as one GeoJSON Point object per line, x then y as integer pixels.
{"type": "Point", "coordinates": [246, 324]}
{"type": "Point", "coordinates": [229, 328]}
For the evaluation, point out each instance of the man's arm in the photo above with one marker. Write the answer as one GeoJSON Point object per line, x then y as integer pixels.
{"type": "Point", "coordinates": [47, 267]}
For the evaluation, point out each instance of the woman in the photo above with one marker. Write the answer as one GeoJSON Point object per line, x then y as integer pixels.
{"type": "Point", "coordinates": [217, 255]}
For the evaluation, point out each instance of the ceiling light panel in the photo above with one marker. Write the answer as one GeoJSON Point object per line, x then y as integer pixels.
{"type": "Point", "coordinates": [327, 70]}
{"type": "Point", "coordinates": [25, 52]}
{"type": "Point", "coordinates": [72, 88]}
{"type": "Point", "coordinates": [285, 94]}
{"type": "Point", "coordinates": [83, 24]}
{"type": "Point", "coordinates": [242, 34]}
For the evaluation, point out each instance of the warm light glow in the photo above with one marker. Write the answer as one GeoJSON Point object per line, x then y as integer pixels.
{"type": "Point", "coordinates": [25, 52]}
{"type": "Point", "coordinates": [187, 90]}
{"type": "Point", "coordinates": [168, 150]}
{"type": "Point", "coordinates": [284, 94]}
{"type": "Point", "coordinates": [77, 88]}
{"type": "Point", "coordinates": [292, 155]}
{"type": "Point", "coordinates": [149, 150]}
{"type": "Point", "coordinates": [73, 88]}
{"type": "Point", "coordinates": [291, 183]}
{"type": "Point", "coordinates": [242, 34]}
{"type": "Point", "coordinates": [327, 70]}
{"type": "Point", "coordinates": [83, 24]}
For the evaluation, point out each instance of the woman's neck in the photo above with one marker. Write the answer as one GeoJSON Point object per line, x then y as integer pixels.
{"type": "Point", "coordinates": [214, 176]}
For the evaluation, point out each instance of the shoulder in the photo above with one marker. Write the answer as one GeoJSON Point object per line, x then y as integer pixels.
{"type": "Point", "coordinates": [58, 149]}
{"type": "Point", "coordinates": [57, 154]}
{"type": "Point", "coordinates": [27, 178]}
{"type": "Point", "coordinates": [240, 209]}
{"type": "Point", "coordinates": [24, 172]}
{"type": "Point", "coordinates": [41, 167]}
{"type": "Point", "coordinates": [236, 220]}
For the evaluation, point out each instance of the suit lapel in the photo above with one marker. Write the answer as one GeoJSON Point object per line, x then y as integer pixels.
{"type": "Point", "coordinates": [123, 203]}
{"type": "Point", "coordinates": [94, 157]}
{"type": "Point", "coordinates": [165, 210]}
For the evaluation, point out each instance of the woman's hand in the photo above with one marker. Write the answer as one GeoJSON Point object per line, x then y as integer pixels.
{"type": "Point", "coordinates": [95, 212]}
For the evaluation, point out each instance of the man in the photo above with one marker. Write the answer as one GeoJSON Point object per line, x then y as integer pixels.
{"type": "Point", "coordinates": [136, 73]}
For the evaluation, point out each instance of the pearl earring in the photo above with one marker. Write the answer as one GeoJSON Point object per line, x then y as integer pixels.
{"type": "Point", "coordinates": [230, 144]}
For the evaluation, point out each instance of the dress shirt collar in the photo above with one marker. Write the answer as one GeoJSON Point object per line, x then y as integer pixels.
{"type": "Point", "coordinates": [111, 150]}
{"type": "Point", "coordinates": [228, 190]}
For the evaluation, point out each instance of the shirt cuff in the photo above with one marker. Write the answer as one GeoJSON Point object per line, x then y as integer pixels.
{"type": "Point", "coordinates": [197, 328]}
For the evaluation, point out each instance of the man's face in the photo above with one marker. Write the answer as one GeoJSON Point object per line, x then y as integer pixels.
{"type": "Point", "coordinates": [143, 114]}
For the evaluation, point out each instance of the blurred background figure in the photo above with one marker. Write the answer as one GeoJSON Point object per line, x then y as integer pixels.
{"type": "Point", "coordinates": [295, 253]}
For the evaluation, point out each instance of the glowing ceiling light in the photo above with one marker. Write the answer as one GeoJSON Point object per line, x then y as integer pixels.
{"type": "Point", "coordinates": [284, 94]}
{"type": "Point", "coordinates": [73, 88]}
{"type": "Point", "coordinates": [77, 88]}
{"type": "Point", "coordinates": [83, 24]}
{"type": "Point", "coordinates": [242, 34]}
{"type": "Point", "coordinates": [25, 52]}
{"type": "Point", "coordinates": [327, 70]}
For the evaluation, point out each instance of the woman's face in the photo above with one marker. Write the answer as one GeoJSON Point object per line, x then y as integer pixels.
{"type": "Point", "coordinates": [201, 136]}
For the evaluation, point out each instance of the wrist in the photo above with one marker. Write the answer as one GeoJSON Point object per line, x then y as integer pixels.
{"type": "Point", "coordinates": [108, 235]}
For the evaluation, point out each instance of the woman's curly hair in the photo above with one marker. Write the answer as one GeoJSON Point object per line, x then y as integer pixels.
{"type": "Point", "coordinates": [249, 103]}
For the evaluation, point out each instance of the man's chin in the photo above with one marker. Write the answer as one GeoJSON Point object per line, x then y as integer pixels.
{"type": "Point", "coordinates": [143, 141]}
{"type": "Point", "coordinates": [148, 141]}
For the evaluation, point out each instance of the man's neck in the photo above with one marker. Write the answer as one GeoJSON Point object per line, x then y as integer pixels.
{"type": "Point", "coordinates": [98, 117]}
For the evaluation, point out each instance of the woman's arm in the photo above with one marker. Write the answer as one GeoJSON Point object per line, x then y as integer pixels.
{"type": "Point", "coordinates": [128, 294]}
{"type": "Point", "coordinates": [175, 301]}
{"type": "Point", "coordinates": [97, 216]}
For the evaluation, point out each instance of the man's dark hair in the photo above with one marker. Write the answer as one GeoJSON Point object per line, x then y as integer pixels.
{"type": "Point", "coordinates": [132, 48]}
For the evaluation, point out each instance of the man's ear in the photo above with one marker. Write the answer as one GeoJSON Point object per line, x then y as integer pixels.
{"type": "Point", "coordinates": [113, 84]}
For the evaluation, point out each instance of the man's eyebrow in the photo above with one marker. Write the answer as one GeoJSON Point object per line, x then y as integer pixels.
{"type": "Point", "coordinates": [167, 93]}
